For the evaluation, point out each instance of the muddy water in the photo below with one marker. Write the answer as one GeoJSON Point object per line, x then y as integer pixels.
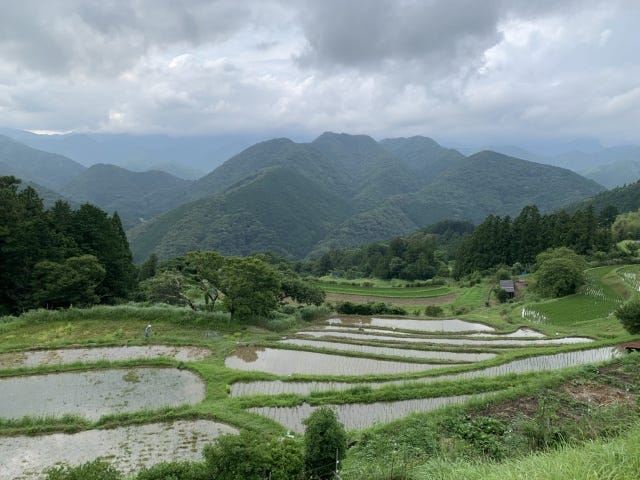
{"type": "Point", "coordinates": [128, 449]}
{"type": "Point", "coordinates": [96, 393]}
{"type": "Point", "coordinates": [289, 362]}
{"type": "Point", "coordinates": [416, 325]}
{"type": "Point", "coordinates": [469, 342]}
{"type": "Point", "coordinates": [393, 352]}
{"type": "Point", "coordinates": [532, 364]}
{"type": "Point", "coordinates": [359, 415]}
{"type": "Point", "coordinates": [34, 358]}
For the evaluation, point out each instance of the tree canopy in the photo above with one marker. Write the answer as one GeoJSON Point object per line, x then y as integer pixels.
{"type": "Point", "coordinates": [559, 272]}
{"type": "Point", "coordinates": [59, 256]}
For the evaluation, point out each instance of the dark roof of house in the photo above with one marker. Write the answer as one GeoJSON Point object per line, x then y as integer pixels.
{"type": "Point", "coordinates": [507, 286]}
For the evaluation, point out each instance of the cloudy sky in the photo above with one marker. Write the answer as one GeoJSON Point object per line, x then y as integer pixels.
{"type": "Point", "coordinates": [473, 70]}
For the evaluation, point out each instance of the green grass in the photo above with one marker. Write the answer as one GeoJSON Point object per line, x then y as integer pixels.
{"type": "Point", "coordinates": [389, 292]}
{"type": "Point", "coordinates": [617, 459]}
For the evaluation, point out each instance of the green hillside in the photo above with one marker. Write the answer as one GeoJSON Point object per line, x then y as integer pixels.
{"type": "Point", "coordinates": [424, 156]}
{"type": "Point", "coordinates": [625, 199]}
{"type": "Point", "coordinates": [278, 210]}
{"type": "Point", "coordinates": [136, 196]}
{"type": "Point", "coordinates": [344, 190]}
{"type": "Point", "coordinates": [47, 169]}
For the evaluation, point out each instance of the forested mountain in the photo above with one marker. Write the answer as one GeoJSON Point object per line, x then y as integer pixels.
{"type": "Point", "coordinates": [29, 164]}
{"type": "Point", "coordinates": [276, 210]}
{"type": "Point", "coordinates": [424, 156]}
{"type": "Point", "coordinates": [136, 196]}
{"type": "Point", "coordinates": [624, 199]}
{"type": "Point", "coordinates": [344, 190]}
{"type": "Point", "coordinates": [610, 166]}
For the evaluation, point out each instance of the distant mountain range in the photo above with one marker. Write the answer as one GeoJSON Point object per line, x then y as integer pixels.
{"type": "Point", "coordinates": [301, 199]}
{"type": "Point", "coordinates": [187, 157]}
{"type": "Point", "coordinates": [610, 167]}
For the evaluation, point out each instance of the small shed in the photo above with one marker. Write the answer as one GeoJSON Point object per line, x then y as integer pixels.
{"type": "Point", "coordinates": [631, 346]}
{"type": "Point", "coordinates": [508, 286]}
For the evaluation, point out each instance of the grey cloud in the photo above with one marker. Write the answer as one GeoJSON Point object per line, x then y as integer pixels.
{"type": "Point", "coordinates": [108, 37]}
{"type": "Point", "coordinates": [366, 34]}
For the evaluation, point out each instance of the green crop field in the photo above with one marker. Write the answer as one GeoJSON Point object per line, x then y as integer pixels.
{"type": "Point", "coordinates": [388, 292]}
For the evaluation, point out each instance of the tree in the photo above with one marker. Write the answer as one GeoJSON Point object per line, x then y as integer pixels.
{"type": "Point", "coordinates": [248, 456]}
{"type": "Point", "coordinates": [325, 442]}
{"type": "Point", "coordinates": [149, 268]}
{"type": "Point", "coordinates": [250, 287]}
{"type": "Point", "coordinates": [167, 287]}
{"type": "Point", "coordinates": [629, 315]}
{"type": "Point", "coordinates": [560, 272]}
{"type": "Point", "coordinates": [293, 287]}
{"type": "Point", "coordinates": [72, 282]}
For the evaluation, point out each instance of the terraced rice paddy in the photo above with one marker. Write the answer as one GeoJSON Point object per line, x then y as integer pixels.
{"type": "Point", "coordinates": [359, 415]}
{"type": "Point", "coordinates": [290, 362]}
{"type": "Point", "coordinates": [95, 393]}
{"type": "Point", "coordinates": [526, 365]}
{"type": "Point", "coordinates": [35, 358]}
{"type": "Point", "coordinates": [452, 325]}
{"type": "Point", "coordinates": [466, 341]}
{"type": "Point", "coordinates": [128, 449]}
{"type": "Point", "coordinates": [392, 352]}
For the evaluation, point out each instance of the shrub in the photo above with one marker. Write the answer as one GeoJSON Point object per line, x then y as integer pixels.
{"type": "Point", "coordinates": [175, 471]}
{"type": "Point", "coordinates": [433, 311]}
{"type": "Point", "coordinates": [378, 308]}
{"type": "Point", "coordinates": [629, 315]}
{"type": "Point", "coordinates": [96, 470]}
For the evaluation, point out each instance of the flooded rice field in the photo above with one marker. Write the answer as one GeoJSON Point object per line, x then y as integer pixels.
{"type": "Point", "coordinates": [526, 365]}
{"type": "Point", "coordinates": [415, 325]}
{"type": "Point", "coordinates": [393, 352]}
{"type": "Point", "coordinates": [359, 415]}
{"type": "Point", "coordinates": [468, 342]}
{"type": "Point", "coordinates": [520, 333]}
{"type": "Point", "coordinates": [368, 330]}
{"type": "Point", "coordinates": [95, 393]}
{"type": "Point", "coordinates": [35, 358]}
{"type": "Point", "coordinates": [290, 362]}
{"type": "Point", "coordinates": [128, 449]}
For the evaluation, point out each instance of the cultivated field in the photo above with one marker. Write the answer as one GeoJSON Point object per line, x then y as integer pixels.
{"type": "Point", "coordinates": [200, 375]}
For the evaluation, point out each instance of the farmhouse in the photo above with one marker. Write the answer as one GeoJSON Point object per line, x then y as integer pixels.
{"type": "Point", "coordinates": [509, 287]}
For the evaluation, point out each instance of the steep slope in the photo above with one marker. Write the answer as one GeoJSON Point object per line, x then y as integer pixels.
{"type": "Point", "coordinates": [136, 196]}
{"type": "Point", "coordinates": [424, 156]}
{"type": "Point", "coordinates": [277, 210]}
{"type": "Point", "coordinates": [625, 199]}
{"type": "Point", "coordinates": [47, 169]}
{"type": "Point", "coordinates": [370, 173]}
{"type": "Point", "coordinates": [485, 183]}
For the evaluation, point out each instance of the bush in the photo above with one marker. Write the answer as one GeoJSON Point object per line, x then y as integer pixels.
{"type": "Point", "coordinates": [378, 308]}
{"type": "Point", "coordinates": [96, 470]}
{"type": "Point", "coordinates": [629, 315]}
{"type": "Point", "coordinates": [325, 441]}
{"type": "Point", "coordinates": [311, 313]}
{"type": "Point", "coordinates": [175, 471]}
{"type": "Point", "coordinates": [433, 311]}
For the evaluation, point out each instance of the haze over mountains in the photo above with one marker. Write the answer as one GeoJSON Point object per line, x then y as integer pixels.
{"type": "Point", "coordinates": [300, 199]}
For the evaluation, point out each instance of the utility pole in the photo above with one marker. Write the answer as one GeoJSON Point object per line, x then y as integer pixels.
{"type": "Point", "coordinates": [335, 474]}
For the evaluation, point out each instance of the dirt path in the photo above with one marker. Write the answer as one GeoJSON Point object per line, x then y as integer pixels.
{"type": "Point", "coordinates": [441, 300]}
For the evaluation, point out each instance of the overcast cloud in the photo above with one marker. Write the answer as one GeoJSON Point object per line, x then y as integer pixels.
{"type": "Point", "coordinates": [491, 70]}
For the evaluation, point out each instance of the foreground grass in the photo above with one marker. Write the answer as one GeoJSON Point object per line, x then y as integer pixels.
{"type": "Point", "coordinates": [617, 459]}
